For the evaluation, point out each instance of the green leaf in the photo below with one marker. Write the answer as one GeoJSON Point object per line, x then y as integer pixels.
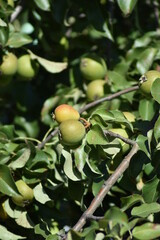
{"type": "Point", "coordinates": [4, 34]}
{"type": "Point", "coordinates": [145, 39]}
{"type": "Point", "coordinates": [147, 109]}
{"type": "Point", "coordinates": [7, 235]}
{"type": "Point", "coordinates": [49, 105]}
{"type": "Point", "coordinates": [7, 184]}
{"type": "Point", "coordinates": [68, 166]}
{"type": "Point", "coordinates": [114, 216]}
{"type": "Point", "coordinates": [142, 143]}
{"type": "Point", "coordinates": [42, 229]}
{"type": "Point", "coordinates": [117, 80]}
{"type": "Point", "coordinates": [150, 192]}
{"type": "Point", "coordinates": [145, 60]}
{"type": "Point", "coordinates": [129, 226]}
{"type": "Point", "coordinates": [40, 194]}
{"type": "Point", "coordinates": [43, 4]}
{"type": "Point", "coordinates": [147, 231]}
{"type": "Point", "coordinates": [157, 129]}
{"type": "Point", "coordinates": [3, 23]}
{"type": "Point", "coordinates": [155, 90]}
{"type": "Point", "coordinates": [32, 128]}
{"type": "Point", "coordinates": [50, 66]}
{"type": "Point", "coordinates": [8, 130]}
{"type": "Point", "coordinates": [27, 28]}
{"type": "Point", "coordinates": [81, 155]}
{"type": "Point", "coordinates": [40, 160]}
{"type": "Point", "coordinates": [17, 40]}
{"type": "Point", "coordinates": [23, 219]}
{"type": "Point", "coordinates": [126, 6]}
{"type": "Point", "coordinates": [129, 201]}
{"type": "Point", "coordinates": [96, 136]}
{"type": "Point", "coordinates": [21, 161]}
{"type": "Point", "coordinates": [145, 209]}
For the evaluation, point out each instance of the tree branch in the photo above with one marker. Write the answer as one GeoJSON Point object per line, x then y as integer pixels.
{"type": "Point", "coordinates": [96, 202]}
{"type": "Point", "coordinates": [52, 134]}
{"type": "Point", "coordinates": [15, 14]}
{"type": "Point", "coordinates": [108, 98]}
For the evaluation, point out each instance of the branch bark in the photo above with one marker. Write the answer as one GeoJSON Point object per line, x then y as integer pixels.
{"type": "Point", "coordinates": [108, 98]}
{"type": "Point", "coordinates": [96, 202]}
{"type": "Point", "coordinates": [52, 134]}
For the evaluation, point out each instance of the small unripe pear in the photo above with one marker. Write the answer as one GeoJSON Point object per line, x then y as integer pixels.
{"type": "Point", "coordinates": [95, 89]}
{"type": "Point", "coordinates": [26, 194]}
{"type": "Point", "coordinates": [147, 80]}
{"type": "Point", "coordinates": [65, 112]}
{"type": "Point", "coordinates": [72, 132]}
{"type": "Point", "coordinates": [9, 64]}
{"type": "Point", "coordinates": [93, 67]}
{"type": "Point", "coordinates": [27, 68]}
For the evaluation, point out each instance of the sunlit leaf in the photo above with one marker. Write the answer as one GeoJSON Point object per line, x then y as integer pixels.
{"type": "Point", "coordinates": [7, 184]}
{"type": "Point", "coordinates": [129, 201]}
{"type": "Point", "coordinates": [69, 166]}
{"type": "Point", "coordinates": [146, 109]}
{"type": "Point", "coordinates": [145, 60]}
{"type": "Point", "coordinates": [150, 191]}
{"type": "Point", "coordinates": [43, 4]}
{"type": "Point", "coordinates": [155, 90]}
{"type": "Point", "coordinates": [157, 129]}
{"type": "Point", "coordinates": [3, 23]}
{"type": "Point", "coordinates": [146, 231]}
{"type": "Point", "coordinates": [21, 161]}
{"type": "Point", "coordinates": [127, 6]}
{"type": "Point", "coordinates": [145, 209]}
{"type": "Point", "coordinates": [6, 235]}
{"type": "Point", "coordinates": [50, 66]}
{"type": "Point", "coordinates": [142, 143]}
{"type": "Point", "coordinates": [96, 136]}
{"type": "Point", "coordinates": [17, 40]}
{"type": "Point", "coordinates": [23, 219]}
{"type": "Point", "coordinates": [40, 194]}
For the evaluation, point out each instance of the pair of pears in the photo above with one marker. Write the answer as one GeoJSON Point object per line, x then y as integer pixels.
{"type": "Point", "coordinates": [93, 68]}
{"type": "Point", "coordinates": [24, 66]}
{"type": "Point", "coordinates": [72, 131]}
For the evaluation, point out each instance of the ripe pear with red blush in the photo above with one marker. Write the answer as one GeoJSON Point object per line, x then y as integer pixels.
{"type": "Point", "coordinates": [65, 112]}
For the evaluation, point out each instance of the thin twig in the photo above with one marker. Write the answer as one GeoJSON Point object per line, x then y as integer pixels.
{"type": "Point", "coordinates": [108, 98]}
{"type": "Point", "coordinates": [116, 135]}
{"type": "Point", "coordinates": [15, 14]}
{"type": "Point", "coordinates": [96, 218]}
{"type": "Point", "coordinates": [52, 134]}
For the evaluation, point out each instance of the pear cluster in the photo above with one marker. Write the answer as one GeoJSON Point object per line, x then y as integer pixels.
{"type": "Point", "coordinates": [72, 131]}
{"type": "Point", "coordinates": [24, 67]}
{"type": "Point", "coordinates": [93, 68]}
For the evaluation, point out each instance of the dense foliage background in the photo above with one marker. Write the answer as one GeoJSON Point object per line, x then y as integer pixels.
{"type": "Point", "coordinates": [57, 34]}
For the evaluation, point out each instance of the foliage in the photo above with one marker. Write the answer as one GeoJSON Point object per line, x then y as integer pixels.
{"type": "Point", "coordinates": [57, 35]}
